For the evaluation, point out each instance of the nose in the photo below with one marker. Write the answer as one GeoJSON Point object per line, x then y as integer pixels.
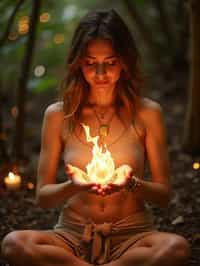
{"type": "Point", "coordinates": [100, 69]}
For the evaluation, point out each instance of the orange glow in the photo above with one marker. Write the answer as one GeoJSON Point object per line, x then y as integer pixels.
{"type": "Point", "coordinates": [101, 168]}
{"type": "Point", "coordinates": [45, 17]}
{"type": "Point", "coordinates": [59, 38]}
{"type": "Point", "coordinates": [12, 181]}
{"type": "Point", "coordinates": [196, 165]}
{"type": "Point", "coordinates": [23, 25]}
{"type": "Point", "coordinates": [30, 185]}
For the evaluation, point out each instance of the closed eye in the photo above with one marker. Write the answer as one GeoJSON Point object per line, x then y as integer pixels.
{"type": "Point", "coordinates": [111, 63]}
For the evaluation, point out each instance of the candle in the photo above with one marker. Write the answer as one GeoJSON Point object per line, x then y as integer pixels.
{"type": "Point", "coordinates": [12, 181]}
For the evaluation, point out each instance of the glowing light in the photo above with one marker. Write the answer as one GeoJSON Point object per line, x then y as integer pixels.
{"type": "Point", "coordinates": [12, 181]}
{"type": "Point", "coordinates": [14, 111]}
{"type": "Point", "coordinates": [23, 25]}
{"type": "Point", "coordinates": [196, 166]}
{"type": "Point", "coordinates": [12, 36]}
{"type": "Point", "coordinates": [59, 38]}
{"type": "Point", "coordinates": [101, 168]}
{"type": "Point", "coordinates": [30, 185]}
{"type": "Point", "coordinates": [45, 17]}
{"type": "Point", "coordinates": [39, 71]}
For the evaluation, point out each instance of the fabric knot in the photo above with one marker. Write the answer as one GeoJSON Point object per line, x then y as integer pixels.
{"type": "Point", "coordinates": [104, 228]}
{"type": "Point", "coordinates": [98, 235]}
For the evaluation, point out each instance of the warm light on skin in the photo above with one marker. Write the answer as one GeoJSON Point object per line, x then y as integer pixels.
{"type": "Point", "coordinates": [101, 169]}
{"type": "Point", "coordinates": [101, 66]}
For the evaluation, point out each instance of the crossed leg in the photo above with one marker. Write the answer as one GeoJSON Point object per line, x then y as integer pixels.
{"type": "Point", "coordinates": [38, 248]}
{"type": "Point", "coordinates": [158, 248]}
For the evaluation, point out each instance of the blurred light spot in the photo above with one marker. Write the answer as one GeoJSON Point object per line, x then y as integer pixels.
{"type": "Point", "coordinates": [196, 165]}
{"type": "Point", "coordinates": [59, 38]}
{"type": "Point", "coordinates": [70, 12]}
{"type": "Point", "coordinates": [30, 185]}
{"type": "Point", "coordinates": [45, 17]}
{"type": "Point", "coordinates": [24, 19]}
{"type": "Point", "coordinates": [3, 136]}
{"type": "Point", "coordinates": [23, 25]}
{"type": "Point", "coordinates": [12, 36]}
{"type": "Point", "coordinates": [14, 111]}
{"type": "Point", "coordinates": [39, 71]}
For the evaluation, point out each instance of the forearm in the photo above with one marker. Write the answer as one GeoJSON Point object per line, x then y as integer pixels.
{"type": "Point", "coordinates": [52, 195]}
{"type": "Point", "coordinates": [153, 192]}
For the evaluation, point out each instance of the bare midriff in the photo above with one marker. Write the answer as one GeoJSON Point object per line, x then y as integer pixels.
{"type": "Point", "coordinates": [128, 149]}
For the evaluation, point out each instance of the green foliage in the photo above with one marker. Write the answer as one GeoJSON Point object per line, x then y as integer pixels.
{"type": "Point", "coordinates": [43, 84]}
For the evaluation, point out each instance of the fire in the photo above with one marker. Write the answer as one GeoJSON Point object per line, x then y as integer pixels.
{"type": "Point", "coordinates": [101, 169]}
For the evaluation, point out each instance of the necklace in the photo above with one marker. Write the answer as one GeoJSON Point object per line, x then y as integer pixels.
{"type": "Point", "coordinates": [103, 126]}
{"type": "Point", "coordinates": [108, 145]}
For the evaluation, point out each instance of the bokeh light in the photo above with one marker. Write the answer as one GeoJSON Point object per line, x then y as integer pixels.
{"type": "Point", "coordinates": [59, 38]}
{"type": "Point", "coordinates": [196, 165]}
{"type": "Point", "coordinates": [13, 36]}
{"type": "Point", "coordinates": [39, 71]}
{"type": "Point", "coordinates": [23, 25]}
{"type": "Point", "coordinates": [45, 17]}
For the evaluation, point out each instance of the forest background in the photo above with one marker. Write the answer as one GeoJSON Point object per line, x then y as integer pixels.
{"type": "Point", "coordinates": [34, 41]}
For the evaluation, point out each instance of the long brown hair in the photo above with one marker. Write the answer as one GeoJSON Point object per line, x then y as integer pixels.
{"type": "Point", "coordinates": [74, 89]}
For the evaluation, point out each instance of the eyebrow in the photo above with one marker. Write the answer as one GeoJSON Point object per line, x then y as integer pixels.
{"type": "Point", "coordinates": [108, 57]}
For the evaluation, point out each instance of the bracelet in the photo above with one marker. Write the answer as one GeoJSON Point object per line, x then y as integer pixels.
{"type": "Point", "coordinates": [134, 182]}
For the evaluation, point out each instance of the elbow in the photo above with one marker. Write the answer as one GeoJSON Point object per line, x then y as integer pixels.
{"type": "Point", "coordinates": [164, 203]}
{"type": "Point", "coordinates": [41, 202]}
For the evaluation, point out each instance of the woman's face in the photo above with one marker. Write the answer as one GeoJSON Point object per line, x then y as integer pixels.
{"type": "Point", "coordinates": [100, 65]}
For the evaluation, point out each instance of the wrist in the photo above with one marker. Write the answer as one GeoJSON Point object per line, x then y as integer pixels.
{"type": "Point", "coordinates": [134, 183]}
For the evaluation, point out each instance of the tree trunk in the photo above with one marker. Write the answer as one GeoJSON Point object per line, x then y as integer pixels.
{"type": "Point", "coordinates": [18, 149]}
{"type": "Point", "coordinates": [3, 152]}
{"type": "Point", "coordinates": [191, 138]}
{"type": "Point", "coordinates": [145, 32]}
{"type": "Point", "coordinates": [4, 37]}
{"type": "Point", "coordinates": [166, 24]}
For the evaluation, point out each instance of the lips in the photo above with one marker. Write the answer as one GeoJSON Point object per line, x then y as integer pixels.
{"type": "Point", "coordinates": [101, 83]}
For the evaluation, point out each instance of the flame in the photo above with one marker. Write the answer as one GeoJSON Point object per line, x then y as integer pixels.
{"type": "Point", "coordinates": [11, 176]}
{"type": "Point", "coordinates": [102, 167]}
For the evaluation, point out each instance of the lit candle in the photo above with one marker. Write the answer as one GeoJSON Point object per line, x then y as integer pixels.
{"type": "Point", "coordinates": [12, 181]}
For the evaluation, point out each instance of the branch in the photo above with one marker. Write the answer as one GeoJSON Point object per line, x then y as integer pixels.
{"type": "Point", "coordinates": [10, 22]}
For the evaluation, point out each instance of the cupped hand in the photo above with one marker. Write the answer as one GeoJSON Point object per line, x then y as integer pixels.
{"type": "Point", "coordinates": [121, 178]}
{"type": "Point", "coordinates": [79, 178]}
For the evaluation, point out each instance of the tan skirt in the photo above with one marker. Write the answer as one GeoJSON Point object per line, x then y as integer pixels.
{"type": "Point", "coordinates": [101, 243]}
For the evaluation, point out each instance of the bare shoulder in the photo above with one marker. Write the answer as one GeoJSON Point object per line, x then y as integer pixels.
{"type": "Point", "coordinates": [149, 109]}
{"type": "Point", "coordinates": [149, 105]}
{"type": "Point", "coordinates": [54, 111]}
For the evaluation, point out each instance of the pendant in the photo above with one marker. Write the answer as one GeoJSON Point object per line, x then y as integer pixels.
{"type": "Point", "coordinates": [103, 130]}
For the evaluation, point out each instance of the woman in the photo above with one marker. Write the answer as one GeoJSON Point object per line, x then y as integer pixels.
{"type": "Point", "coordinates": [102, 225]}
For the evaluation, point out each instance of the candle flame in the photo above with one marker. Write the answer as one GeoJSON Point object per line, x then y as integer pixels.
{"type": "Point", "coordinates": [11, 176]}
{"type": "Point", "coordinates": [101, 168]}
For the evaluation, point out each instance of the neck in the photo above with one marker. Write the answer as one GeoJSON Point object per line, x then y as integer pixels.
{"type": "Point", "coordinates": [101, 100]}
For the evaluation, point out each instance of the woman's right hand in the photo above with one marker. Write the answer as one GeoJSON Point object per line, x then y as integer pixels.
{"type": "Point", "coordinates": [79, 178]}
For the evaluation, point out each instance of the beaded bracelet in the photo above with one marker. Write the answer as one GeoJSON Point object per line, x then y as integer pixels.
{"type": "Point", "coordinates": [134, 182]}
